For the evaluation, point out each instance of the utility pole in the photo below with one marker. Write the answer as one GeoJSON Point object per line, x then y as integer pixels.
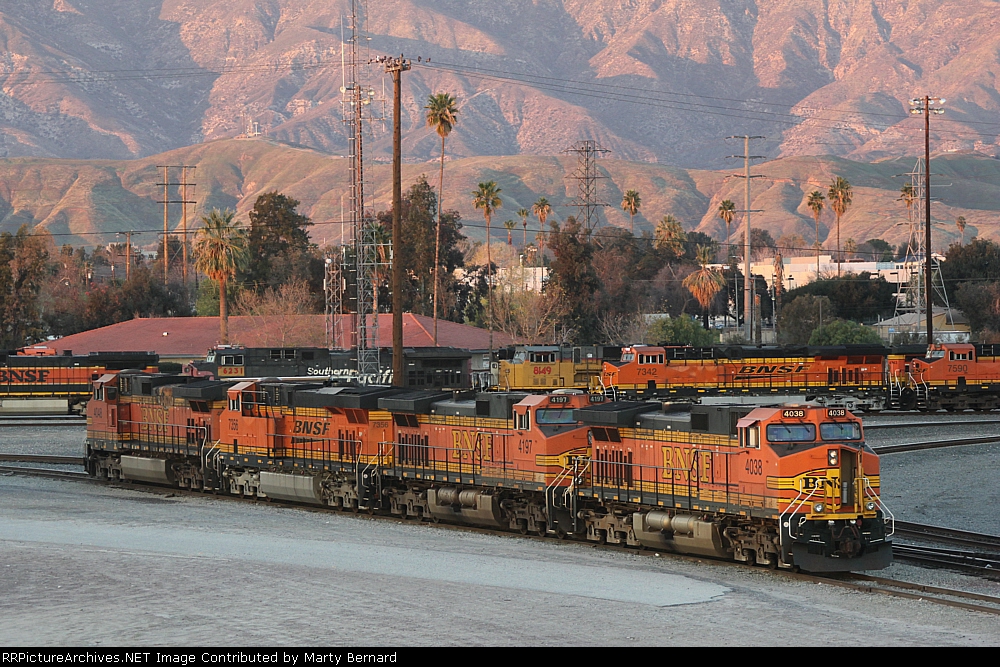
{"type": "Point", "coordinates": [166, 201]}
{"type": "Point", "coordinates": [748, 308]}
{"type": "Point", "coordinates": [184, 221]}
{"type": "Point", "coordinates": [924, 106]}
{"type": "Point", "coordinates": [396, 67]}
{"type": "Point", "coordinates": [128, 254]}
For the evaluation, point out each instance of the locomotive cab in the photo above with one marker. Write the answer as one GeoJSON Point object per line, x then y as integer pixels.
{"type": "Point", "coordinates": [826, 483]}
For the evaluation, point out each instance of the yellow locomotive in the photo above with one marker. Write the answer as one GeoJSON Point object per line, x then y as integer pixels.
{"type": "Point", "coordinates": [542, 367]}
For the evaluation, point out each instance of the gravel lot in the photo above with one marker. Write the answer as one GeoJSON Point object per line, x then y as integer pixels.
{"type": "Point", "coordinates": [167, 568]}
{"type": "Point", "coordinates": [192, 570]}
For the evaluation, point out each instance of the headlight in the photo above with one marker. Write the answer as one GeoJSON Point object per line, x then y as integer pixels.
{"type": "Point", "coordinates": [833, 457]}
{"type": "Point", "coordinates": [870, 506]}
{"type": "Point", "coordinates": [818, 508]}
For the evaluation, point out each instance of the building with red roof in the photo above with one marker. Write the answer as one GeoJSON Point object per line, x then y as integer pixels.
{"type": "Point", "coordinates": [183, 339]}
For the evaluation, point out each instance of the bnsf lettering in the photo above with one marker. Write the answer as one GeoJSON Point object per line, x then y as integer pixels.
{"type": "Point", "coordinates": [9, 375]}
{"type": "Point", "coordinates": [683, 461]}
{"type": "Point", "coordinates": [465, 443]}
{"type": "Point", "coordinates": [771, 370]}
{"type": "Point", "coordinates": [306, 427]}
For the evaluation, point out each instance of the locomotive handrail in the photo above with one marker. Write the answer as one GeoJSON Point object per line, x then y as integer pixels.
{"type": "Point", "coordinates": [878, 502]}
{"type": "Point", "coordinates": [301, 452]}
{"type": "Point", "coordinates": [781, 517]}
{"type": "Point", "coordinates": [166, 425]}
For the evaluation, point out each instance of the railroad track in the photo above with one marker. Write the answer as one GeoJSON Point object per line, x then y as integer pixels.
{"type": "Point", "coordinates": [46, 472]}
{"type": "Point", "coordinates": [919, 531]}
{"type": "Point", "coordinates": [38, 458]}
{"type": "Point", "coordinates": [974, 422]}
{"type": "Point", "coordinates": [858, 582]}
{"type": "Point", "coordinates": [11, 421]}
{"type": "Point", "coordinates": [934, 444]}
{"type": "Point", "coordinates": [904, 589]}
{"type": "Point", "coordinates": [982, 565]}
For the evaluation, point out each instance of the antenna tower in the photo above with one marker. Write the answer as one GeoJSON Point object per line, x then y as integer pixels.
{"type": "Point", "coordinates": [355, 97]}
{"type": "Point", "coordinates": [912, 298]}
{"type": "Point", "coordinates": [333, 290]}
{"type": "Point", "coordinates": [587, 175]}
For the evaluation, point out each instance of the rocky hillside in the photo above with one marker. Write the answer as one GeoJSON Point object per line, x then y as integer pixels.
{"type": "Point", "coordinates": [86, 202]}
{"type": "Point", "coordinates": [653, 80]}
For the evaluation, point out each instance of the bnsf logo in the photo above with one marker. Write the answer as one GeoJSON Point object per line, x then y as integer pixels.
{"type": "Point", "coordinates": [306, 427]}
{"type": "Point", "coordinates": [770, 370]}
{"type": "Point", "coordinates": [30, 375]}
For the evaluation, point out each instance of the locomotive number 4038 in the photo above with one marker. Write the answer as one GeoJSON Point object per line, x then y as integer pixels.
{"type": "Point", "coordinates": [754, 467]}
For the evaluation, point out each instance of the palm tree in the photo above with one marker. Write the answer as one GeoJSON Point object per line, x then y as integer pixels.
{"type": "Point", "coordinates": [851, 247]}
{"type": "Point", "coordinates": [815, 202]}
{"type": "Point", "coordinates": [509, 225]}
{"type": "Point", "coordinates": [221, 249]}
{"type": "Point", "coordinates": [670, 236]}
{"type": "Point", "coordinates": [523, 213]}
{"type": "Point", "coordinates": [704, 283]}
{"type": "Point", "coordinates": [727, 211]}
{"type": "Point", "coordinates": [960, 223]}
{"type": "Point", "coordinates": [487, 199]}
{"type": "Point", "coordinates": [840, 195]}
{"type": "Point", "coordinates": [441, 115]}
{"type": "Point", "coordinates": [542, 209]}
{"type": "Point", "coordinates": [383, 241]}
{"type": "Point", "coordinates": [908, 196]}
{"type": "Point", "coordinates": [630, 204]}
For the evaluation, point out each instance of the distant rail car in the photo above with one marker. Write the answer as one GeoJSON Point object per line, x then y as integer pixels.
{"type": "Point", "coordinates": [37, 374]}
{"type": "Point", "coordinates": [547, 367]}
{"type": "Point", "coordinates": [849, 376]}
{"type": "Point", "coordinates": [788, 486]}
{"type": "Point", "coordinates": [430, 367]}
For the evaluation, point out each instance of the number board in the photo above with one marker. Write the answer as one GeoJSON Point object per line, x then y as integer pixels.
{"type": "Point", "coordinates": [596, 398]}
{"type": "Point", "coordinates": [558, 399]}
{"type": "Point", "coordinates": [836, 412]}
{"type": "Point", "coordinates": [793, 414]}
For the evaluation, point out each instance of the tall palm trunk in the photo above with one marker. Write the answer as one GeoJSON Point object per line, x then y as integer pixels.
{"type": "Point", "coordinates": [489, 278]}
{"type": "Point", "coordinates": [437, 244]}
{"type": "Point", "coordinates": [223, 313]}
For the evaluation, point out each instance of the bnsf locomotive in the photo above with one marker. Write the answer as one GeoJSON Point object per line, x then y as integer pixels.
{"type": "Point", "coordinates": [788, 486]}
{"type": "Point", "coordinates": [39, 373]}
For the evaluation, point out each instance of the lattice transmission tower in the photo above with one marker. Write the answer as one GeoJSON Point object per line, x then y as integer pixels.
{"type": "Point", "coordinates": [587, 177]}
{"type": "Point", "coordinates": [912, 297]}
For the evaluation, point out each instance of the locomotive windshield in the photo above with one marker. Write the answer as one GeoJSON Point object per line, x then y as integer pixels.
{"type": "Point", "coordinates": [791, 432]}
{"type": "Point", "coordinates": [628, 356]}
{"type": "Point", "coordinates": [555, 416]}
{"type": "Point", "coordinates": [840, 431]}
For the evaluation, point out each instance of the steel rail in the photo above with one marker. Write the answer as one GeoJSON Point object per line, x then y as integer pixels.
{"type": "Point", "coordinates": [38, 458]}
{"type": "Point", "coordinates": [933, 444]}
{"type": "Point", "coordinates": [947, 535]}
{"type": "Point", "coordinates": [954, 422]}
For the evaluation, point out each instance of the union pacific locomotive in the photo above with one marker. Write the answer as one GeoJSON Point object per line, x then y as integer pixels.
{"type": "Point", "coordinates": [785, 486]}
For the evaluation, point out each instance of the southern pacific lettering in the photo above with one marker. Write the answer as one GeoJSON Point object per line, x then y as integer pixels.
{"type": "Point", "coordinates": [12, 375]}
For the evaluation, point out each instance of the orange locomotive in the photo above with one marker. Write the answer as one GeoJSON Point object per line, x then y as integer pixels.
{"type": "Point", "coordinates": [848, 376]}
{"type": "Point", "coordinates": [716, 480]}
{"type": "Point", "coordinates": [39, 373]}
{"type": "Point", "coordinates": [953, 376]}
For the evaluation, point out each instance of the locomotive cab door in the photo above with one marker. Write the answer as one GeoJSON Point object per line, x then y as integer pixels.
{"type": "Point", "coordinates": [750, 470]}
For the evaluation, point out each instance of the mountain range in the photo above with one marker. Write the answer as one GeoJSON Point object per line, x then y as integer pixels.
{"type": "Point", "coordinates": [657, 81]}
{"type": "Point", "coordinates": [89, 201]}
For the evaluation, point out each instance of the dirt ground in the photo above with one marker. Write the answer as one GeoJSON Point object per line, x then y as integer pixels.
{"type": "Point", "coordinates": [83, 564]}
